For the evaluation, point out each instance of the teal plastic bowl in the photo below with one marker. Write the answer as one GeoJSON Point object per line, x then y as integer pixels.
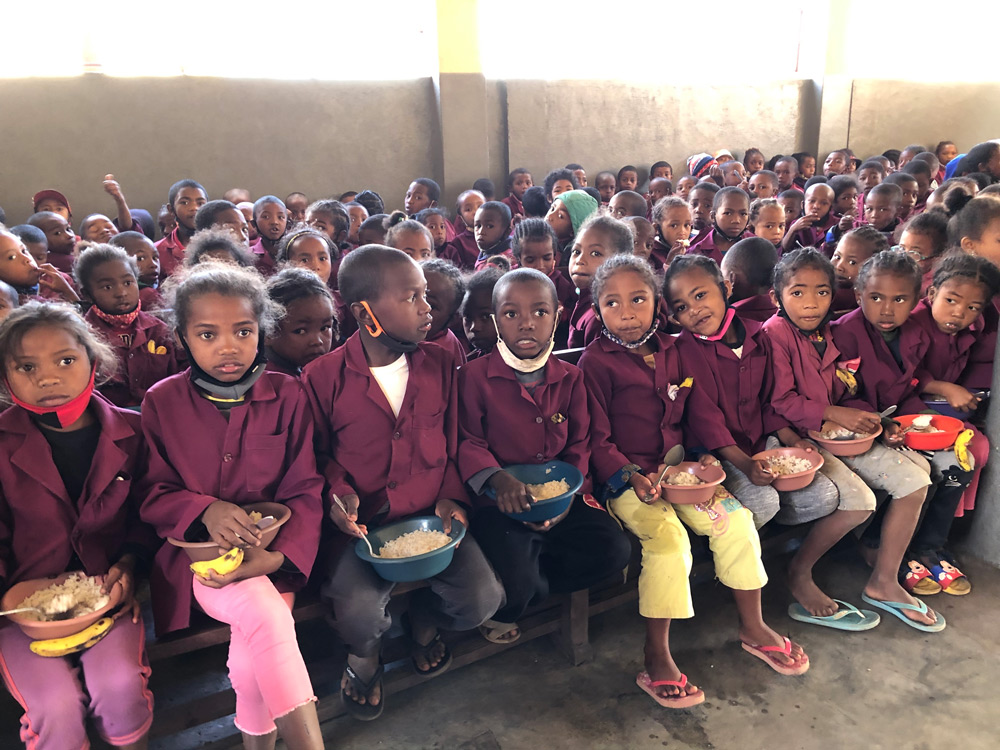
{"type": "Point", "coordinates": [416, 568]}
{"type": "Point", "coordinates": [552, 471]}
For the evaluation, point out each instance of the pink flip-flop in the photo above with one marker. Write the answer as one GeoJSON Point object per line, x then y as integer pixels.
{"type": "Point", "coordinates": [683, 700]}
{"type": "Point", "coordinates": [764, 653]}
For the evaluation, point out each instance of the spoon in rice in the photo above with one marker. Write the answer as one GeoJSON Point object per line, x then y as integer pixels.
{"type": "Point", "coordinates": [60, 608]}
{"type": "Point", "coordinates": [674, 456]}
{"type": "Point", "coordinates": [340, 504]}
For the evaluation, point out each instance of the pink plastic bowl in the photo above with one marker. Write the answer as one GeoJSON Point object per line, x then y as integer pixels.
{"type": "Point", "coordinates": [41, 631]}
{"type": "Point", "coordinates": [798, 480]}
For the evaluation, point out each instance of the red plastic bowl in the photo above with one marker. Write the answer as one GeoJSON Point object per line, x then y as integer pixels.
{"type": "Point", "coordinates": [690, 494]}
{"type": "Point", "coordinates": [202, 551]}
{"type": "Point", "coordinates": [931, 441]}
{"type": "Point", "coordinates": [798, 480]}
{"type": "Point", "coordinates": [41, 631]}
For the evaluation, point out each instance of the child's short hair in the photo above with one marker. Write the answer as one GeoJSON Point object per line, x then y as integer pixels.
{"type": "Point", "coordinates": [13, 300]}
{"type": "Point", "coordinates": [841, 183]}
{"type": "Point", "coordinates": [499, 261]}
{"type": "Point", "coordinates": [207, 214]}
{"type": "Point", "coordinates": [892, 154]}
{"type": "Point", "coordinates": [501, 208]}
{"type": "Point", "coordinates": [816, 179]}
{"type": "Point", "coordinates": [602, 174]}
{"type": "Point", "coordinates": [684, 263]}
{"type": "Point", "coordinates": [28, 233]}
{"type": "Point", "coordinates": [424, 216]}
{"type": "Point", "coordinates": [214, 240]}
{"type": "Point", "coordinates": [727, 191]}
{"type": "Point", "coordinates": [635, 204]}
{"type": "Point", "coordinates": [768, 174]}
{"type": "Point", "coordinates": [514, 174]}
{"type": "Point", "coordinates": [363, 271]}
{"type": "Point", "coordinates": [621, 234]}
{"type": "Point", "coordinates": [524, 276]}
{"type": "Point", "coordinates": [122, 239]}
{"type": "Point", "coordinates": [375, 223]}
{"type": "Point", "coordinates": [887, 190]}
{"type": "Point", "coordinates": [35, 314]}
{"type": "Point", "coordinates": [918, 166]}
{"type": "Point", "coordinates": [875, 164]}
{"type": "Point", "coordinates": [226, 280]}
{"type": "Point", "coordinates": [627, 168]}
{"type": "Point", "coordinates": [433, 189]}
{"type": "Point", "coordinates": [483, 280]}
{"type": "Point", "coordinates": [450, 271]}
{"type": "Point", "coordinates": [532, 230]}
{"type": "Point", "coordinates": [292, 284]}
{"type": "Point", "coordinates": [559, 174]}
{"type": "Point", "coordinates": [785, 159]}
{"type": "Point", "coordinates": [535, 201]}
{"type": "Point", "coordinates": [574, 165]}
{"type": "Point", "coordinates": [372, 201]}
{"type": "Point", "coordinates": [970, 216]}
{"type": "Point", "coordinates": [335, 211]}
{"type": "Point", "coordinates": [940, 147]}
{"type": "Point", "coordinates": [398, 224]}
{"type": "Point", "coordinates": [754, 258]}
{"type": "Point", "coordinates": [894, 262]}
{"type": "Point", "coordinates": [791, 263]}
{"type": "Point", "coordinates": [259, 204]}
{"type": "Point", "coordinates": [752, 151]}
{"type": "Point", "coordinates": [95, 255]}
{"type": "Point", "coordinates": [485, 186]}
{"type": "Point", "coordinates": [619, 263]}
{"type": "Point", "coordinates": [932, 224]}
{"type": "Point", "coordinates": [298, 232]}
{"type": "Point", "coordinates": [898, 178]}
{"type": "Point", "coordinates": [663, 205]}
{"type": "Point", "coordinates": [348, 197]}
{"type": "Point", "coordinates": [876, 240]}
{"type": "Point", "coordinates": [792, 193]}
{"type": "Point", "coordinates": [761, 203]}
{"type": "Point", "coordinates": [801, 156]}
{"type": "Point", "coordinates": [969, 268]}
{"type": "Point", "coordinates": [659, 165]}
{"type": "Point", "coordinates": [710, 187]}
{"type": "Point", "coordinates": [180, 185]}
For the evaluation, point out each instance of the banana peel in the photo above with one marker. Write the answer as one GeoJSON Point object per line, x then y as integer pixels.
{"type": "Point", "coordinates": [222, 565]}
{"type": "Point", "coordinates": [72, 644]}
{"type": "Point", "coordinates": [848, 379]}
{"type": "Point", "coordinates": [965, 458]}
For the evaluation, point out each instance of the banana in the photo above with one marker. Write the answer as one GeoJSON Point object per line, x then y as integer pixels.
{"type": "Point", "coordinates": [965, 459]}
{"type": "Point", "coordinates": [849, 380]}
{"type": "Point", "coordinates": [72, 644]}
{"type": "Point", "coordinates": [222, 565]}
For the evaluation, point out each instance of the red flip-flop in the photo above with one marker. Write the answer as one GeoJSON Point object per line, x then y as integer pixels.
{"type": "Point", "coordinates": [764, 654]}
{"type": "Point", "coordinates": [684, 700]}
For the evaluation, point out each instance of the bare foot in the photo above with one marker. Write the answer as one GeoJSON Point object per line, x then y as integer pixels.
{"type": "Point", "coordinates": [662, 667]}
{"type": "Point", "coordinates": [893, 592]}
{"type": "Point", "coordinates": [765, 636]}
{"type": "Point", "coordinates": [364, 668]}
{"type": "Point", "coordinates": [809, 595]}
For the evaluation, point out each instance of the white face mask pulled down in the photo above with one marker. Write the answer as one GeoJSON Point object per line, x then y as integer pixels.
{"type": "Point", "coordinates": [525, 365]}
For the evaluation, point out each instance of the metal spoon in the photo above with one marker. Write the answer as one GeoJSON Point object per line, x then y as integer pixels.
{"type": "Point", "coordinates": [45, 616]}
{"type": "Point", "coordinates": [673, 457]}
{"type": "Point", "coordinates": [343, 507]}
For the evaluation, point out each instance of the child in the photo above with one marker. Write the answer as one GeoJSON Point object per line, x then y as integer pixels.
{"type": "Point", "coordinates": [518, 182]}
{"type": "Point", "coordinates": [600, 237]}
{"type": "Point", "coordinates": [810, 230]}
{"type": "Point", "coordinates": [492, 230]}
{"type": "Point", "coordinates": [701, 200]}
{"type": "Point", "coordinates": [410, 236]}
{"type": "Point", "coordinates": [333, 219]}
{"type": "Point", "coordinates": [627, 203]}
{"type": "Point", "coordinates": [435, 220]}
{"type": "Point", "coordinates": [59, 238]}
{"type": "Point", "coordinates": [807, 168]}
{"type": "Point", "coordinates": [849, 255]}
{"type": "Point", "coordinates": [477, 312]}
{"type": "Point", "coordinates": [659, 188]}
{"type": "Point", "coordinates": [51, 201]}
{"type": "Point", "coordinates": [767, 220]}
{"type": "Point", "coordinates": [308, 328]}
{"type": "Point", "coordinates": [358, 213]}
{"type": "Point", "coordinates": [536, 205]}
{"type": "Point", "coordinates": [386, 410]}
{"type": "Point", "coordinates": [463, 250]}
{"type": "Point", "coordinates": [183, 201]}
{"type": "Point", "coordinates": [753, 160]}
{"type": "Point", "coordinates": [747, 269]}
{"type": "Point", "coordinates": [68, 504]}
{"type": "Point", "coordinates": [605, 182]}
{"type": "Point", "coordinates": [19, 269]}
{"type": "Point", "coordinates": [534, 245]}
{"type": "Point", "coordinates": [422, 193]}
{"type": "Point", "coordinates": [925, 238]}
{"type": "Point", "coordinates": [684, 186]}
{"type": "Point", "coordinates": [661, 169]}
{"type": "Point", "coordinates": [305, 247]}
{"type": "Point", "coordinates": [216, 244]}
{"type": "Point", "coordinates": [372, 230]}
{"type": "Point", "coordinates": [628, 179]}
{"type": "Point", "coordinates": [730, 216]}
{"type": "Point", "coordinates": [764, 184]}
{"type": "Point", "coordinates": [870, 174]}
{"type": "Point", "coordinates": [97, 228]}
{"type": "Point", "coordinates": [882, 208]}
{"type": "Point", "coordinates": [33, 239]}
{"type": "Point", "coordinates": [445, 290]}
{"type": "Point", "coordinates": [270, 219]}
{"type": "Point", "coordinates": [848, 207]}
{"type": "Point", "coordinates": [924, 175]}
{"type": "Point", "coordinates": [485, 186]}
{"type": "Point", "coordinates": [372, 202]}
{"type": "Point", "coordinates": [791, 201]}
{"type": "Point", "coordinates": [836, 163]}
{"type": "Point", "coordinates": [142, 343]}
{"type": "Point", "coordinates": [520, 405]}
{"type": "Point", "coordinates": [673, 223]}
{"type": "Point", "coordinates": [220, 214]}
{"type": "Point", "coordinates": [253, 443]}
{"type": "Point", "coordinates": [580, 173]}
{"type": "Point", "coordinates": [560, 181]}
{"type": "Point", "coordinates": [246, 208]}
{"type": "Point", "coordinates": [566, 215]}
{"type": "Point", "coordinates": [168, 222]}
{"type": "Point", "coordinates": [296, 204]}
{"type": "Point", "coordinates": [639, 392]}
{"type": "Point", "coordinates": [945, 151]}
{"type": "Point", "coordinates": [8, 300]}
{"type": "Point", "coordinates": [465, 208]}
{"type": "Point", "coordinates": [644, 234]}
{"type": "Point", "coordinates": [908, 184]}
{"type": "Point", "coordinates": [807, 392]}
{"type": "Point", "coordinates": [142, 249]}
{"type": "Point", "coordinates": [787, 170]}
{"type": "Point", "coordinates": [734, 174]}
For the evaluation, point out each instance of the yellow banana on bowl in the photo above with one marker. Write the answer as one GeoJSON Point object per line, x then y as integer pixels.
{"type": "Point", "coordinates": [72, 644]}
{"type": "Point", "coordinates": [222, 565]}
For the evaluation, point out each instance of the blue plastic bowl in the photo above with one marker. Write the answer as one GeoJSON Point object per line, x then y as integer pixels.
{"type": "Point", "coordinates": [552, 471]}
{"type": "Point", "coordinates": [944, 408]}
{"type": "Point", "coordinates": [416, 568]}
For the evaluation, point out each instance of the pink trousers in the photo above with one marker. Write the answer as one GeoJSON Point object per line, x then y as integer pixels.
{"type": "Point", "coordinates": [107, 682]}
{"type": "Point", "coordinates": [979, 447]}
{"type": "Point", "coordinates": [265, 666]}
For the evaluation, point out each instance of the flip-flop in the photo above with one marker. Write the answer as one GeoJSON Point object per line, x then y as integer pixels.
{"type": "Point", "coordinates": [649, 685]}
{"type": "Point", "coordinates": [363, 711]}
{"type": "Point", "coordinates": [847, 617]}
{"type": "Point", "coordinates": [917, 579]}
{"type": "Point", "coordinates": [494, 631]}
{"type": "Point", "coordinates": [897, 608]}
{"type": "Point", "coordinates": [425, 651]}
{"type": "Point", "coordinates": [952, 580]}
{"type": "Point", "coordinates": [764, 654]}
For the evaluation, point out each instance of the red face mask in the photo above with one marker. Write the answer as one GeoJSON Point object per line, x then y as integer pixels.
{"type": "Point", "coordinates": [60, 416]}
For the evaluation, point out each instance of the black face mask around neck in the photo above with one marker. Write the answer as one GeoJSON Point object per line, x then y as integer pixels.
{"type": "Point", "coordinates": [218, 390]}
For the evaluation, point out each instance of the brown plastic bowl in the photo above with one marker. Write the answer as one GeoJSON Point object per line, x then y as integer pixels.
{"type": "Point", "coordinates": [798, 480]}
{"type": "Point", "coordinates": [690, 494]}
{"type": "Point", "coordinates": [41, 631]}
{"type": "Point", "coordinates": [854, 447]}
{"type": "Point", "coordinates": [201, 551]}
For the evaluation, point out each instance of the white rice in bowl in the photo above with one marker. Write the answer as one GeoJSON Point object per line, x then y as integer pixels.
{"type": "Point", "coordinates": [548, 490]}
{"type": "Point", "coordinates": [782, 465]}
{"type": "Point", "coordinates": [79, 595]}
{"type": "Point", "coordinates": [683, 479]}
{"type": "Point", "coordinates": [842, 433]}
{"type": "Point", "coordinates": [413, 543]}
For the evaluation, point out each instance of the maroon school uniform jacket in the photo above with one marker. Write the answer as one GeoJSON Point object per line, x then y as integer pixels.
{"type": "Point", "coordinates": [815, 236]}
{"type": "Point", "coordinates": [706, 246]}
{"type": "Point", "coordinates": [146, 355]}
{"type": "Point", "coordinates": [150, 298]}
{"type": "Point", "coordinates": [758, 308]}
{"type": "Point", "coordinates": [502, 423]}
{"type": "Point", "coordinates": [262, 259]}
{"type": "Point", "coordinates": [844, 300]}
{"type": "Point", "coordinates": [736, 410]}
{"type": "Point", "coordinates": [515, 206]}
{"type": "Point", "coordinates": [804, 383]}
{"type": "Point", "coordinates": [658, 255]}
{"type": "Point", "coordinates": [635, 411]}
{"type": "Point", "coordinates": [171, 254]}
{"type": "Point", "coordinates": [882, 383]}
{"type": "Point", "coordinates": [40, 527]}
{"type": "Point", "coordinates": [261, 453]}
{"type": "Point", "coordinates": [363, 448]}
{"type": "Point", "coordinates": [584, 325]}
{"type": "Point", "coordinates": [462, 251]}
{"type": "Point", "coordinates": [978, 373]}
{"type": "Point", "coordinates": [448, 341]}
{"type": "Point", "coordinates": [565, 291]}
{"type": "Point", "coordinates": [63, 262]}
{"type": "Point", "coordinates": [948, 353]}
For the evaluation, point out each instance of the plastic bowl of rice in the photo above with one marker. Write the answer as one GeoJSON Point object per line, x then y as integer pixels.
{"type": "Point", "coordinates": [793, 468]}
{"type": "Point", "coordinates": [416, 542]}
{"type": "Point", "coordinates": [841, 441]}
{"type": "Point", "coordinates": [552, 484]}
{"type": "Point", "coordinates": [930, 432]}
{"type": "Point", "coordinates": [88, 601]}
{"type": "Point", "coordinates": [200, 551]}
{"type": "Point", "coordinates": [689, 483]}
{"type": "Point", "coordinates": [943, 407]}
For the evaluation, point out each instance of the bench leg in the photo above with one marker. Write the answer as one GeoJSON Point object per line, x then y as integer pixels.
{"type": "Point", "coordinates": [573, 636]}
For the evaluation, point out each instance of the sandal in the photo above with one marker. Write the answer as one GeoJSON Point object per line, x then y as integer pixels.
{"type": "Point", "coordinates": [681, 700]}
{"type": "Point", "coordinates": [952, 580]}
{"type": "Point", "coordinates": [425, 652]}
{"type": "Point", "coordinates": [497, 632]}
{"type": "Point", "coordinates": [363, 711]}
{"type": "Point", "coordinates": [764, 654]}
{"type": "Point", "coordinates": [918, 580]}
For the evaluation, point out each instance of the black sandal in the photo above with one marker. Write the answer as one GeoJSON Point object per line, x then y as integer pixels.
{"type": "Point", "coordinates": [425, 651]}
{"type": "Point", "coordinates": [363, 711]}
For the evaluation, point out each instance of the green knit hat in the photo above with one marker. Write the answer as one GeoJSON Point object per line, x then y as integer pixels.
{"type": "Point", "coordinates": [580, 206]}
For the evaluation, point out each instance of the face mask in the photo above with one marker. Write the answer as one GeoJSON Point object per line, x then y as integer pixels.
{"type": "Point", "coordinates": [118, 321]}
{"type": "Point", "coordinates": [217, 390]}
{"type": "Point", "coordinates": [634, 344]}
{"type": "Point", "coordinates": [727, 321]}
{"type": "Point", "coordinates": [724, 235]}
{"type": "Point", "coordinates": [525, 365]}
{"type": "Point", "coordinates": [60, 416]}
{"type": "Point", "coordinates": [382, 336]}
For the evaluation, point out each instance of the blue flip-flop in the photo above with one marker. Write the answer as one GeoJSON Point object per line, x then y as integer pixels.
{"type": "Point", "coordinates": [847, 617]}
{"type": "Point", "coordinates": [897, 608]}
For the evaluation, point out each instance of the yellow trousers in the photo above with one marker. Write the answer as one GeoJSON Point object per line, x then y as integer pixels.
{"type": "Point", "coordinates": [664, 585]}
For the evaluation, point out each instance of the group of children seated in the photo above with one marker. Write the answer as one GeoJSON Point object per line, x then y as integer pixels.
{"type": "Point", "coordinates": [363, 367]}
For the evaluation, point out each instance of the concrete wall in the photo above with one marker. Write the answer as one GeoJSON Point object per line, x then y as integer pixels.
{"type": "Point", "coordinates": [319, 137]}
